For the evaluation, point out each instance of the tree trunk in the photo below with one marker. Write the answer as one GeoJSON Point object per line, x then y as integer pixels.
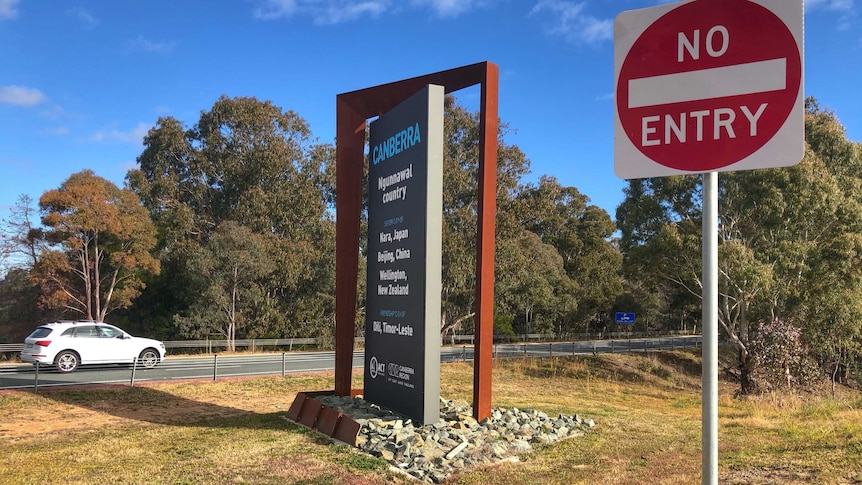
{"type": "Point", "coordinates": [747, 383]}
{"type": "Point", "coordinates": [97, 278]}
{"type": "Point", "coordinates": [835, 375]}
{"type": "Point", "coordinates": [84, 256]}
{"type": "Point", "coordinates": [233, 311]}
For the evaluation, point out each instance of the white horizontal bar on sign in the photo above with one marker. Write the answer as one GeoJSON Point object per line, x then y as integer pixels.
{"type": "Point", "coordinates": [718, 82]}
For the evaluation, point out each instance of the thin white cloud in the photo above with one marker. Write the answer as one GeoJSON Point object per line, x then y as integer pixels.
{"type": "Point", "coordinates": [54, 112]}
{"type": "Point", "coordinates": [336, 14]}
{"type": "Point", "coordinates": [449, 8]}
{"type": "Point", "coordinates": [20, 95]}
{"type": "Point", "coordinates": [128, 165]}
{"type": "Point", "coordinates": [844, 8]}
{"type": "Point", "coordinates": [331, 12]}
{"type": "Point", "coordinates": [146, 45]}
{"type": "Point", "coordinates": [322, 12]}
{"type": "Point", "coordinates": [275, 9]}
{"type": "Point", "coordinates": [569, 20]}
{"type": "Point", "coordinates": [133, 136]}
{"type": "Point", "coordinates": [832, 5]}
{"type": "Point", "coordinates": [8, 9]}
{"type": "Point", "coordinates": [57, 131]}
{"type": "Point", "coordinates": [86, 19]}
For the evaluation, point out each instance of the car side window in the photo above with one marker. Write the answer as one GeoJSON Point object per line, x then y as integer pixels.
{"type": "Point", "coordinates": [109, 332]}
{"type": "Point", "coordinates": [69, 332]}
{"type": "Point", "coordinates": [87, 331]}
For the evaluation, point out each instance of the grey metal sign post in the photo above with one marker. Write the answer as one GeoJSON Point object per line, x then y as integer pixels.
{"type": "Point", "coordinates": [735, 67]}
{"type": "Point", "coordinates": [709, 354]}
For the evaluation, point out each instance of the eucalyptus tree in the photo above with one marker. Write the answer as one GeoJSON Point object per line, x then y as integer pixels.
{"type": "Point", "coordinates": [21, 236]}
{"type": "Point", "coordinates": [99, 241]}
{"type": "Point", "coordinates": [556, 259]}
{"type": "Point", "coordinates": [244, 160]}
{"type": "Point", "coordinates": [534, 288]}
{"type": "Point", "coordinates": [251, 162]}
{"type": "Point", "coordinates": [460, 209]}
{"type": "Point", "coordinates": [582, 235]}
{"type": "Point", "coordinates": [19, 299]}
{"type": "Point", "coordinates": [789, 238]}
{"type": "Point", "coordinates": [833, 328]}
{"type": "Point", "coordinates": [229, 273]}
{"type": "Point", "coordinates": [22, 242]}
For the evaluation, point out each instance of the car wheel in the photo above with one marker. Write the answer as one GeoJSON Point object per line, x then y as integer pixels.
{"type": "Point", "coordinates": [149, 358]}
{"type": "Point", "coordinates": [67, 361]}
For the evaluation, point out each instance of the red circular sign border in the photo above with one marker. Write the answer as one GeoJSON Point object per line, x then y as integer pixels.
{"type": "Point", "coordinates": [642, 60]}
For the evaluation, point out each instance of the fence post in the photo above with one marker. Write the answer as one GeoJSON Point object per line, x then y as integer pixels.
{"type": "Point", "coordinates": [551, 349]}
{"type": "Point", "coordinates": [283, 363]}
{"type": "Point", "coordinates": [612, 346]}
{"type": "Point", "coordinates": [134, 367]}
{"type": "Point", "coordinates": [215, 367]}
{"type": "Point", "coordinates": [36, 381]}
{"type": "Point", "coordinates": [464, 353]}
{"type": "Point", "coordinates": [252, 346]}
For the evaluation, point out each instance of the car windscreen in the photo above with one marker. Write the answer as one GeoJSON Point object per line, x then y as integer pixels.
{"type": "Point", "coordinates": [40, 332]}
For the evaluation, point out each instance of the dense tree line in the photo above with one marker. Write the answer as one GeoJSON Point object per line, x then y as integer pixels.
{"type": "Point", "coordinates": [789, 256]}
{"type": "Point", "coordinates": [226, 230]}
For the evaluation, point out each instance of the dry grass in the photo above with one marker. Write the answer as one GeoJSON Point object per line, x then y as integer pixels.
{"type": "Point", "coordinates": [647, 408]}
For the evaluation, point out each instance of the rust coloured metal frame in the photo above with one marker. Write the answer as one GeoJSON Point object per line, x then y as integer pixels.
{"type": "Point", "coordinates": [353, 109]}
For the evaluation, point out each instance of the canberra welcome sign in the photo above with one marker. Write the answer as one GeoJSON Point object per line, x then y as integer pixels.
{"type": "Point", "coordinates": [405, 201]}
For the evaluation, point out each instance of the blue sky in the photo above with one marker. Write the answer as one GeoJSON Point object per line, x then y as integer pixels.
{"type": "Point", "coordinates": [81, 82]}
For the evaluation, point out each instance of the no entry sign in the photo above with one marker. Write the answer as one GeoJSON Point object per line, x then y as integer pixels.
{"type": "Point", "coordinates": [708, 85]}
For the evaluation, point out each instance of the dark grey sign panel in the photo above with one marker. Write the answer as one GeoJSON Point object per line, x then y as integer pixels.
{"type": "Point", "coordinates": [405, 204]}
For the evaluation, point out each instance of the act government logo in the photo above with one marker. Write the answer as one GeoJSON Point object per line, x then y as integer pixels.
{"type": "Point", "coordinates": [376, 368]}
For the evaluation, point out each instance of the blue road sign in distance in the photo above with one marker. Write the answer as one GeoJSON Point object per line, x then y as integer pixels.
{"type": "Point", "coordinates": [624, 318]}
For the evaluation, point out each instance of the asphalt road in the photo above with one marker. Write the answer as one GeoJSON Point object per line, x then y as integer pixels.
{"type": "Point", "coordinates": [24, 376]}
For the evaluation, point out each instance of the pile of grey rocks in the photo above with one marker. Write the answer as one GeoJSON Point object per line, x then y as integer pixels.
{"type": "Point", "coordinates": [457, 441]}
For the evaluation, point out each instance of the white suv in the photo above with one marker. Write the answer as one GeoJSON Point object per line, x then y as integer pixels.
{"type": "Point", "coordinates": [67, 345]}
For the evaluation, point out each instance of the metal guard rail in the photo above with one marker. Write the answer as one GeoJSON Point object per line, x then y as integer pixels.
{"type": "Point", "coordinates": [253, 344]}
{"type": "Point", "coordinates": [209, 344]}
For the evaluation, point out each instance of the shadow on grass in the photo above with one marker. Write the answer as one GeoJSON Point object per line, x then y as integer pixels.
{"type": "Point", "coordinates": [668, 370]}
{"type": "Point", "coordinates": [151, 405]}
{"type": "Point", "coordinates": [687, 362]}
{"type": "Point", "coordinates": [604, 366]}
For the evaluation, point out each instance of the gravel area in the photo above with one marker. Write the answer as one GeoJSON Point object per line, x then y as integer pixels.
{"type": "Point", "coordinates": [457, 441]}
